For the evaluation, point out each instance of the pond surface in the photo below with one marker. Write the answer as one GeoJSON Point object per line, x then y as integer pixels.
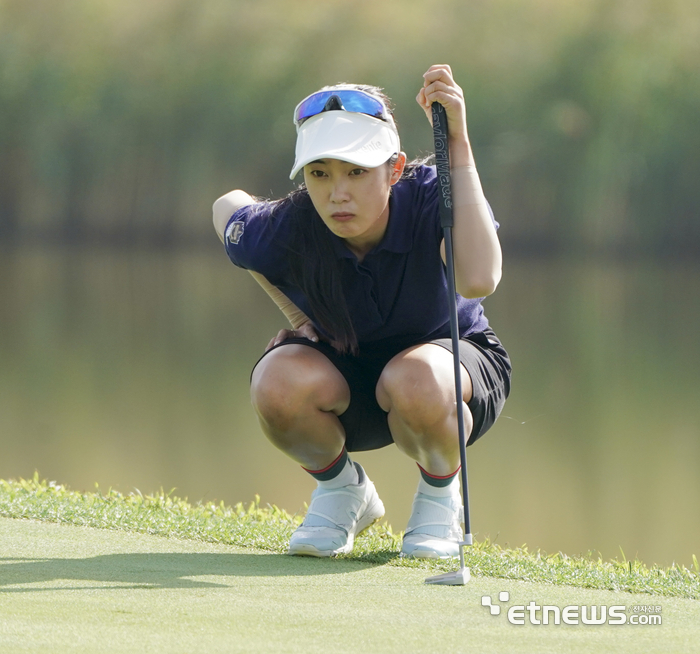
{"type": "Point", "coordinates": [130, 370]}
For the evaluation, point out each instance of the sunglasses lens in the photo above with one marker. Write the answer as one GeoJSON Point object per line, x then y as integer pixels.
{"type": "Point", "coordinates": [313, 105]}
{"type": "Point", "coordinates": [362, 104]}
{"type": "Point", "coordinates": [355, 101]}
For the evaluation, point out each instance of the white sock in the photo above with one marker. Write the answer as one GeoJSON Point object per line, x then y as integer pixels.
{"type": "Point", "coordinates": [439, 491]}
{"type": "Point", "coordinates": [347, 476]}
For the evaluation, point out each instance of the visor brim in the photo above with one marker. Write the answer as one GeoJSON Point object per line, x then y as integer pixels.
{"type": "Point", "coordinates": [356, 138]}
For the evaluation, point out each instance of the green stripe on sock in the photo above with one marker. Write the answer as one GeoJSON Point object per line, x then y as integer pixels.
{"type": "Point", "coordinates": [332, 471]}
{"type": "Point", "coordinates": [438, 482]}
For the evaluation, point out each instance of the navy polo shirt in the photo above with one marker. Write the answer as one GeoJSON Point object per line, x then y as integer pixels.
{"type": "Point", "coordinates": [398, 291]}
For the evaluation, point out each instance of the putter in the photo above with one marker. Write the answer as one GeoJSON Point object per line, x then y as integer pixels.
{"type": "Point", "coordinates": [442, 160]}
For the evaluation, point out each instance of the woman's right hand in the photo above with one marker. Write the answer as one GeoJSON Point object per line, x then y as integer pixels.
{"type": "Point", "coordinates": [439, 86]}
{"type": "Point", "coordinates": [304, 331]}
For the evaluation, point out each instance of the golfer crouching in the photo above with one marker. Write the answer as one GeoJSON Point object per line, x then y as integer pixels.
{"type": "Point", "coordinates": [355, 260]}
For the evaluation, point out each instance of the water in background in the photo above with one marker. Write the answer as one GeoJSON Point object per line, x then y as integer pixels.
{"type": "Point", "coordinates": [130, 370]}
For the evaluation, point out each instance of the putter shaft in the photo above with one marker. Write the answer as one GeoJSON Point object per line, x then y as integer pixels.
{"type": "Point", "coordinates": [461, 576]}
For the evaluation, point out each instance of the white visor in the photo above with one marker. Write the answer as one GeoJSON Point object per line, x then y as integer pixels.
{"type": "Point", "coordinates": [348, 136]}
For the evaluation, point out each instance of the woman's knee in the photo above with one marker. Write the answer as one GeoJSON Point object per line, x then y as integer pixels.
{"type": "Point", "coordinates": [293, 379]}
{"type": "Point", "coordinates": [418, 385]}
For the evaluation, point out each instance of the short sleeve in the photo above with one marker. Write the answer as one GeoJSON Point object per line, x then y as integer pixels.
{"type": "Point", "coordinates": [255, 239]}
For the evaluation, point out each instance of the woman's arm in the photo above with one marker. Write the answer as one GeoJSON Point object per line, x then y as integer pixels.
{"type": "Point", "coordinates": [223, 209]}
{"type": "Point", "coordinates": [477, 249]}
{"type": "Point", "coordinates": [300, 322]}
{"type": "Point", "coordinates": [476, 246]}
{"type": "Point", "coordinates": [294, 314]}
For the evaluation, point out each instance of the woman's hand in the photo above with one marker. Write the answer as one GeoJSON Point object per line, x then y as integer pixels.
{"type": "Point", "coordinates": [439, 86]}
{"type": "Point", "coordinates": [305, 331]}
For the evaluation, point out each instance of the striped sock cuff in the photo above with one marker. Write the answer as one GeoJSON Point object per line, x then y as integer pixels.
{"type": "Point", "coordinates": [435, 480]}
{"type": "Point", "coordinates": [330, 471]}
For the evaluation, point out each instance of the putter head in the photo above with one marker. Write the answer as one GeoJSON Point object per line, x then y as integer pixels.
{"type": "Point", "coordinates": [457, 578]}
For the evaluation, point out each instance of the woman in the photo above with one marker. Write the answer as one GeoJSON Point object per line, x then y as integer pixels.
{"type": "Point", "coordinates": [355, 260]}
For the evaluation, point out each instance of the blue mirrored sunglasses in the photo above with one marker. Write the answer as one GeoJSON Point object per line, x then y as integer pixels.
{"type": "Point", "coordinates": [340, 100]}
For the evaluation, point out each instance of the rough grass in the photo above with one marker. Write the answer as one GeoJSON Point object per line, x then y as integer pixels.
{"type": "Point", "coordinates": [269, 528]}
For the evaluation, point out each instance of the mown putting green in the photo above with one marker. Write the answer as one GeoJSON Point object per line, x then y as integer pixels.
{"type": "Point", "coordinates": [186, 584]}
{"type": "Point", "coordinates": [78, 589]}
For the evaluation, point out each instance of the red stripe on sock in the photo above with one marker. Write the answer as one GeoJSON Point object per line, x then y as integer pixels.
{"type": "Point", "coordinates": [328, 467]}
{"type": "Point", "coordinates": [423, 470]}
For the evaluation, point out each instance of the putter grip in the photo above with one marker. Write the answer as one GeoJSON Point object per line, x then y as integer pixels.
{"type": "Point", "coordinates": [442, 163]}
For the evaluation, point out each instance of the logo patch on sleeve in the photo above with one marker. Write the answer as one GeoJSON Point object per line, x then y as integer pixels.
{"type": "Point", "coordinates": [235, 231]}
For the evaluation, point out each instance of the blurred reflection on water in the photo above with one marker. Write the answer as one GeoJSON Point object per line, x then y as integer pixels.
{"type": "Point", "coordinates": [131, 370]}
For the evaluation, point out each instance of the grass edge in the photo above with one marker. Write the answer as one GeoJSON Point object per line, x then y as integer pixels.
{"type": "Point", "coordinates": [268, 528]}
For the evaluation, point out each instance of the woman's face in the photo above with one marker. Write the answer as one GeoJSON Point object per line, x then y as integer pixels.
{"type": "Point", "coordinates": [353, 201]}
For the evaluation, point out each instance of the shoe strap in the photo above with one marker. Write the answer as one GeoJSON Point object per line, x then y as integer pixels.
{"type": "Point", "coordinates": [344, 515]}
{"type": "Point", "coordinates": [435, 514]}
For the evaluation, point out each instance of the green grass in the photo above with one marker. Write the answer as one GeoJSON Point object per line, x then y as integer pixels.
{"type": "Point", "coordinates": [268, 529]}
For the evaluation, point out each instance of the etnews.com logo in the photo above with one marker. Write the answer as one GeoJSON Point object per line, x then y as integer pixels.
{"type": "Point", "coordinates": [537, 614]}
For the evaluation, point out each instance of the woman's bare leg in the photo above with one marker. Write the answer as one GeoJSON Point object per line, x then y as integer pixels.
{"type": "Point", "coordinates": [417, 390]}
{"type": "Point", "coordinates": [298, 395]}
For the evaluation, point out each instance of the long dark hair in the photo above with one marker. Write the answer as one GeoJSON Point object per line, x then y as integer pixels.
{"type": "Point", "coordinates": [316, 270]}
{"type": "Point", "coordinates": [313, 265]}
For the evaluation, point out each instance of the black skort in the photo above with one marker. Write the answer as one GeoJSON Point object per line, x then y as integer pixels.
{"type": "Point", "coordinates": [365, 423]}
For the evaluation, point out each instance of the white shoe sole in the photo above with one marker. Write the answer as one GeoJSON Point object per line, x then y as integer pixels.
{"type": "Point", "coordinates": [426, 554]}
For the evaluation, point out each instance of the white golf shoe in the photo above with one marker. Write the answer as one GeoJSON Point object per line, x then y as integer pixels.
{"type": "Point", "coordinates": [434, 529]}
{"type": "Point", "coordinates": [335, 517]}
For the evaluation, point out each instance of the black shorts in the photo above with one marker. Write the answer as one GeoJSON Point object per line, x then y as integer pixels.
{"type": "Point", "coordinates": [365, 423]}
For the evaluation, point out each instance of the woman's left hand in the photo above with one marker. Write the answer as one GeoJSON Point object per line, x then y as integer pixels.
{"type": "Point", "coordinates": [439, 86]}
{"type": "Point", "coordinates": [304, 331]}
